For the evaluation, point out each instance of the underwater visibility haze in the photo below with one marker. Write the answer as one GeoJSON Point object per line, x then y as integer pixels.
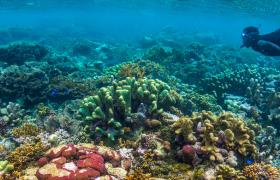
{"type": "Point", "coordinates": [139, 90]}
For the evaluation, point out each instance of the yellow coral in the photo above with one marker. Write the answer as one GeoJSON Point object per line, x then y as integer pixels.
{"type": "Point", "coordinates": [227, 172]}
{"type": "Point", "coordinates": [216, 131]}
{"type": "Point", "coordinates": [25, 153]}
{"type": "Point", "coordinates": [26, 130]}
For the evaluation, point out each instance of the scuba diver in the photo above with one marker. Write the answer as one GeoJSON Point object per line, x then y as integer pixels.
{"type": "Point", "coordinates": [267, 44]}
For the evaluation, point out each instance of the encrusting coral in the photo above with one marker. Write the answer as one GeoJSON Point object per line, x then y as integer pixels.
{"type": "Point", "coordinates": [112, 105]}
{"type": "Point", "coordinates": [215, 137]}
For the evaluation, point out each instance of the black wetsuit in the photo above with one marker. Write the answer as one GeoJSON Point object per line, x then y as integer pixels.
{"type": "Point", "coordinates": [268, 44]}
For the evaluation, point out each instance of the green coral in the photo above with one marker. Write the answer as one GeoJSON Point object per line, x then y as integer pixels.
{"type": "Point", "coordinates": [113, 104]}
{"type": "Point", "coordinates": [6, 167]}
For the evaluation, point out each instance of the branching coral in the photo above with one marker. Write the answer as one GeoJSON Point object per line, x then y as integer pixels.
{"type": "Point", "coordinates": [258, 171]}
{"type": "Point", "coordinates": [112, 105]}
{"type": "Point", "coordinates": [25, 154]}
{"type": "Point", "coordinates": [26, 130]}
{"type": "Point", "coordinates": [244, 80]}
{"type": "Point", "coordinates": [215, 136]}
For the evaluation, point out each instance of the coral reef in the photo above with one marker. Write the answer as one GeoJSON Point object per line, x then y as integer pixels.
{"type": "Point", "coordinates": [159, 109]}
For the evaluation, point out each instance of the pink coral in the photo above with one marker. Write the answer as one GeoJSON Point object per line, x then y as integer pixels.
{"type": "Point", "coordinates": [77, 162]}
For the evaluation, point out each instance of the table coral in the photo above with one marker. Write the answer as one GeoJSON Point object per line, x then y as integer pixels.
{"type": "Point", "coordinates": [112, 105]}
{"type": "Point", "coordinates": [214, 136]}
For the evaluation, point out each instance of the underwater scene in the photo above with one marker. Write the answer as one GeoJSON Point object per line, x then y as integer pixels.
{"type": "Point", "coordinates": [139, 90]}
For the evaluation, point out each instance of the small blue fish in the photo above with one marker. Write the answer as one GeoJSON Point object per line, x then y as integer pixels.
{"type": "Point", "coordinates": [249, 161]}
{"type": "Point", "coordinates": [54, 92]}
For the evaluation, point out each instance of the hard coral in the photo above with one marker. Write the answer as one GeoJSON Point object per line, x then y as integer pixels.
{"type": "Point", "coordinates": [25, 130]}
{"type": "Point", "coordinates": [84, 161]}
{"type": "Point", "coordinates": [112, 105]}
{"type": "Point", "coordinates": [258, 171]}
{"type": "Point", "coordinates": [214, 136]}
{"type": "Point", "coordinates": [25, 154]}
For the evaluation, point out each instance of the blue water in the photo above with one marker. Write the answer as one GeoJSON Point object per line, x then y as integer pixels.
{"type": "Point", "coordinates": [130, 22]}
